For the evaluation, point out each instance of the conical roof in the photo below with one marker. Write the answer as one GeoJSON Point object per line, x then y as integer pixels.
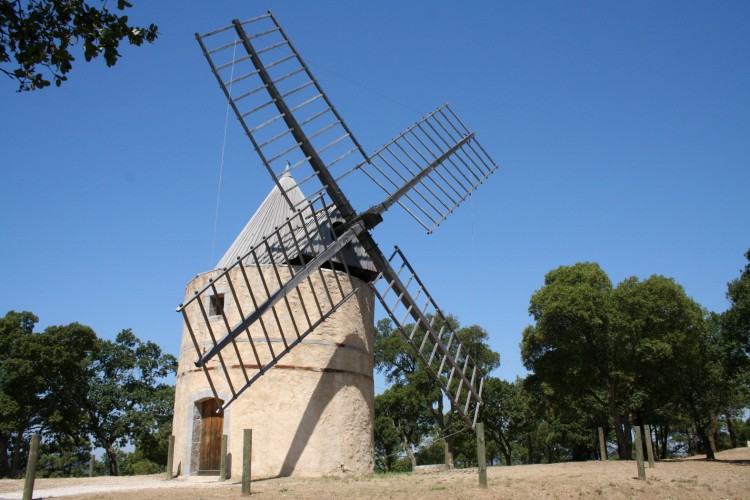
{"type": "Point", "coordinates": [272, 214]}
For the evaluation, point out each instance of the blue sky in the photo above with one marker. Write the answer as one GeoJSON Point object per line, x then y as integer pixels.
{"type": "Point", "coordinates": [622, 131]}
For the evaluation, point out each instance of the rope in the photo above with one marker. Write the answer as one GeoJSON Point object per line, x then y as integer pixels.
{"type": "Point", "coordinates": [472, 264]}
{"type": "Point", "coordinates": [221, 165]}
{"type": "Point", "coordinates": [429, 441]}
{"type": "Point", "coordinates": [369, 89]}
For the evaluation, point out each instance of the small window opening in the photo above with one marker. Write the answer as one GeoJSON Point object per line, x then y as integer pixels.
{"type": "Point", "coordinates": [216, 304]}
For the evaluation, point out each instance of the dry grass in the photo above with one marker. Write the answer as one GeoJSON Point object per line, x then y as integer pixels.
{"type": "Point", "coordinates": [727, 477]}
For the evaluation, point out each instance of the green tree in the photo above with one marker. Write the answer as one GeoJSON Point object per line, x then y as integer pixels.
{"type": "Point", "coordinates": [569, 349]}
{"type": "Point", "coordinates": [127, 401]}
{"type": "Point", "coordinates": [401, 422]}
{"type": "Point", "coordinates": [394, 358]}
{"type": "Point", "coordinates": [735, 337]}
{"type": "Point", "coordinates": [387, 441]}
{"type": "Point", "coordinates": [64, 457]}
{"type": "Point", "coordinates": [630, 350]}
{"type": "Point", "coordinates": [653, 322]}
{"type": "Point", "coordinates": [503, 414]}
{"type": "Point", "coordinates": [736, 320]}
{"type": "Point", "coordinates": [36, 37]}
{"type": "Point", "coordinates": [43, 380]}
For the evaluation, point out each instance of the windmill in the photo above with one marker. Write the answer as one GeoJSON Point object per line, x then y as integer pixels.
{"type": "Point", "coordinates": [290, 282]}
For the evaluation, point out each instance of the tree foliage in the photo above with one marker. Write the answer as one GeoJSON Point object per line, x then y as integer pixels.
{"type": "Point", "coordinates": [126, 401]}
{"type": "Point", "coordinates": [37, 37]}
{"type": "Point", "coordinates": [640, 352]}
{"type": "Point", "coordinates": [401, 423]}
{"type": "Point", "coordinates": [71, 387]}
{"type": "Point", "coordinates": [633, 354]}
{"type": "Point", "coordinates": [394, 358]}
{"type": "Point", "coordinates": [43, 379]}
{"type": "Point", "coordinates": [736, 320]}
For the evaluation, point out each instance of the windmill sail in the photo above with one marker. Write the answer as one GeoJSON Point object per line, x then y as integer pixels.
{"type": "Point", "coordinates": [428, 170]}
{"type": "Point", "coordinates": [281, 107]}
{"type": "Point", "coordinates": [437, 345]}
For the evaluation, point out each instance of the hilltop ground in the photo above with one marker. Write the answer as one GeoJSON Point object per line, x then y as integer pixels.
{"type": "Point", "coordinates": [727, 477]}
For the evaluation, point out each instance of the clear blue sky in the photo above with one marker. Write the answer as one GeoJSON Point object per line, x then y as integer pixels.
{"type": "Point", "coordinates": [622, 131]}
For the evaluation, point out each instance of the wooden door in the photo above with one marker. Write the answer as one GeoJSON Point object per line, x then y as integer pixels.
{"type": "Point", "coordinates": [212, 426]}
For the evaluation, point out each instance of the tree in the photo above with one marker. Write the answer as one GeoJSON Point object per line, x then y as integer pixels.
{"type": "Point", "coordinates": [735, 338]}
{"type": "Point", "coordinates": [736, 320]}
{"type": "Point", "coordinates": [394, 358]}
{"type": "Point", "coordinates": [569, 349]}
{"type": "Point", "coordinates": [43, 379]}
{"type": "Point", "coordinates": [126, 400]}
{"type": "Point", "coordinates": [503, 414]}
{"type": "Point", "coordinates": [653, 322]}
{"type": "Point", "coordinates": [630, 350]}
{"type": "Point", "coordinates": [64, 457]}
{"type": "Point", "coordinates": [36, 36]}
{"type": "Point", "coordinates": [401, 422]}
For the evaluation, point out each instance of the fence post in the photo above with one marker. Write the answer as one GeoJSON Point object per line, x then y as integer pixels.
{"type": "Point", "coordinates": [170, 457]}
{"type": "Point", "coordinates": [92, 461]}
{"type": "Point", "coordinates": [481, 456]}
{"type": "Point", "coordinates": [602, 445]}
{"type": "Point", "coordinates": [28, 486]}
{"type": "Point", "coordinates": [639, 452]}
{"type": "Point", "coordinates": [247, 456]}
{"type": "Point", "coordinates": [649, 446]}
{"type": "Point", "coordinates": [223, 466]}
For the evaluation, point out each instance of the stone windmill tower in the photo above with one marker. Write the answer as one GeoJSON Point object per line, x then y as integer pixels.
{"type": "Point", "coordinates": [301, 409]}
{"type": "Point", "coordinates": [278, 338]}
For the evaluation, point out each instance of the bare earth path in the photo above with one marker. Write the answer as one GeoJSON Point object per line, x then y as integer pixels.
{"type": "Point", "coordinates": [727, 477]}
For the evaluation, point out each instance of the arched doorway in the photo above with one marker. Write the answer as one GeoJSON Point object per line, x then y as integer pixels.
{"type": "Point", "coordinates": [212, 427]}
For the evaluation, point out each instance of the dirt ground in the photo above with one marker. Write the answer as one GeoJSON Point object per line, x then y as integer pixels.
{"type": "Point", "coordinates": [727, 477]}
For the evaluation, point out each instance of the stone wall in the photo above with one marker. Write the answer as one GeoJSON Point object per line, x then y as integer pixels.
{"type": "Point", "coordinates": [312, 414]}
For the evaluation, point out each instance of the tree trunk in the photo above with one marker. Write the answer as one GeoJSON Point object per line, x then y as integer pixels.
{"type": "Point", "coordinates": [664, 438]}
{"type": "Point", "coordinates": [15, 463]}
{"type": "Point", "coordinates": [4, 464]}
{"type": "Point", "coordinates": [505, 449]}
{"type": "Point", "coordinates": [627, 440]}
{"type": "Point", "coordinates": [730, 430]}
{"type": "Point", "coordinates": [529, 449]}
{"type": "Point", "coordinates": [409, 453]}
{"type": "Point", "coordinates": [704, 442]}
{"type": "Point", "coordinates": [623, 449]}
{"type": "Point", "coordinates": [507, 457]}
{"type": "Point", "coordinates": [712, 430]}
{"type": "Point", "coordinates": [112, 458]}
{"type": "Point", "coordinates": [449, 452]}
{"type": "Point", "coordinates": [503, 445]}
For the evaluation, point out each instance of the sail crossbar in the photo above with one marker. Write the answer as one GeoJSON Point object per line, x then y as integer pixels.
{"type": "Point", "coordinates": [431, 336]}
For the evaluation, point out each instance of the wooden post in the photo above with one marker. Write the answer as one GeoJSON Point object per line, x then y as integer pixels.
{"type": "Point", "coordinates": [92, 461]}
{"type": "Point", "coordinates": [170, 457]}
{"type": "Point", "coordinates": [247, 460]}
{"type": "Point", "coordinates": [481, 456]}
{"type": "Point", "coordinates": [223, 466]}
{"type": "Point", "coordinates": [649, 446]}
{"type": "Point", "coordinates": [639, 453]}
{"type": "Point", "coordinates": [28, 486]}
{"type": "Point", "coordinates": [602, 445]}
